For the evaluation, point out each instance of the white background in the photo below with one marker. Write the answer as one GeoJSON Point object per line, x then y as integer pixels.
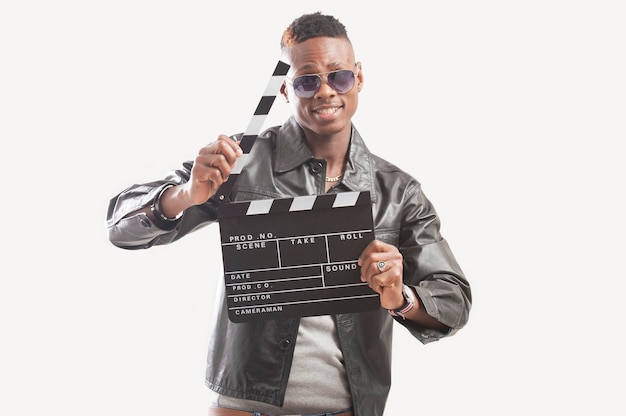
{"type": "Point", "coordinates": [511, 114]}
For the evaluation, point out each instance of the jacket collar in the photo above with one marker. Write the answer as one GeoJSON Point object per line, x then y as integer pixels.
{"type": "Point", "coordinates": [293, 151]}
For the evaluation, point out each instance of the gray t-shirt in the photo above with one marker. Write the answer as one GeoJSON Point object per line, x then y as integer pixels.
{"type": "Point", "coordinates": [317, 382]}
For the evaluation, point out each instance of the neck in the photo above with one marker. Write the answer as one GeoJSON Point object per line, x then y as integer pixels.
{"type": "Point", "coordinates": [332, 148]}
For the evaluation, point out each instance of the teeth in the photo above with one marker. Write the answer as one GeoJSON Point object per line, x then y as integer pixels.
{"type": "Point", "coordinates": [327, 110]}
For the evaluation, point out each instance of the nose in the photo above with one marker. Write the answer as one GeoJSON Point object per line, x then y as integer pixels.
{"type": "Point", "coordinates": [325, 90]}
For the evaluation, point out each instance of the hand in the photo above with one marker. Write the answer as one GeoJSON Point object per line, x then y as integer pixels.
{"type": "Point", "coordinates": [384, 278]}
{"type": "Point", "coordinates": [211, 169]}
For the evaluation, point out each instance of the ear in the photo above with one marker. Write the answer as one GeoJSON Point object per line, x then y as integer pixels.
{"type": "Point", "coordinates": [359, 78]}
{"type": "Point", "coordinates": [283, 92]}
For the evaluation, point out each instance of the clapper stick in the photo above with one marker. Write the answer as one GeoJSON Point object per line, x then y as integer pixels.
{"type": "Point", "coordinates": [254, 127]}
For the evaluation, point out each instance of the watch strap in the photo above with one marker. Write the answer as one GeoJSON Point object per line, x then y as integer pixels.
{"type": "Point", "coordinates": [409, 303]}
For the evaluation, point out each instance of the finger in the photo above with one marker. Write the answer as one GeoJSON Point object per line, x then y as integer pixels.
{"type": "Point", "coordinates": [384, 280]}
{"type": "Point", "coordinates": [229, 148]}
{"type": "Point", "coordinates": [384, 287]}
{"type": "Point", "coordinates": [370, 266]}
{"type": "Point", "coordinates": [376, 250]}
{"type": "Point", "coordinates": [220, 151]}
{"type": "Point", "coordinates": [211, 167]}
{"type": "Point", "coordinates": [378, 266]}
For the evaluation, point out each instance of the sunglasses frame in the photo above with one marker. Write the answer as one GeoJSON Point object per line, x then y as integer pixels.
{"type": "Point", "coordinates": [321, 79]}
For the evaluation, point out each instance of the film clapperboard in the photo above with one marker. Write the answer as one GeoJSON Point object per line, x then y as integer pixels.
{"type": "Point", "coordinates": [292, 257]}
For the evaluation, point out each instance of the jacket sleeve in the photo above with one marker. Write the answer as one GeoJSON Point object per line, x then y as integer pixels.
{"type": "Point", "coordinates": [431, 268]}
{"type": "Point", "coordinates": [129, 229]}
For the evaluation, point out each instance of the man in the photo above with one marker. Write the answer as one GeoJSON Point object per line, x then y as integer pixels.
{"type": "Point", "coordinates": [331, 364]}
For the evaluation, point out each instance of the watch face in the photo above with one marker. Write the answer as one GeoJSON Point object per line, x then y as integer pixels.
{"type": "Point", "coordinates": [407, 292]}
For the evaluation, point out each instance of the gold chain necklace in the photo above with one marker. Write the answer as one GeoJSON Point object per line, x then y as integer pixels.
{"type": "Point", "coordinates": [334, 179]}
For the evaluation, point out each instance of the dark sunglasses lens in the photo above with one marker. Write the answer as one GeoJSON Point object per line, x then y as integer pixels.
{"type": "Point", "coordinates": [306, 86]}
{"type": "Point", "coordinates": [341, 81]}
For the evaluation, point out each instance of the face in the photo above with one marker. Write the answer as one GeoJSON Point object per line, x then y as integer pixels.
{"type": "Point", "coordinates": [327, 112]}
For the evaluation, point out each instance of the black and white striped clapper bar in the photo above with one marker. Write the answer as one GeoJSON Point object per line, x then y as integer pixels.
{"type": "Point", "coordinates": [254, 127]}
{"type": "Point", "coordinates": [292, 257]}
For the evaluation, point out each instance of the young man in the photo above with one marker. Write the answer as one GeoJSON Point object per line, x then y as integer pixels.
{"type": "Point", "coordinates": [331, 364]}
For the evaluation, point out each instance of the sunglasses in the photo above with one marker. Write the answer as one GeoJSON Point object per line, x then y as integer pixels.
{"type": "Point", "coordinates": [342, 81]}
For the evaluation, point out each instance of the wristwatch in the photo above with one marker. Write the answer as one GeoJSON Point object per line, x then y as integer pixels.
{"type": "Point", "coordinates": [161, 220]}
{"type": "Point", "coordinates": [409, 303]}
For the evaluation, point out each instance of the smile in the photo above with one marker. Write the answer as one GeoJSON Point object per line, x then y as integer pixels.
{"type": "Point", "coordinates": [330, 110]}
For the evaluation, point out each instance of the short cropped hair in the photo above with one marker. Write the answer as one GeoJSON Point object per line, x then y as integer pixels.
{"type": "Point", "coordinates": [310, 26]}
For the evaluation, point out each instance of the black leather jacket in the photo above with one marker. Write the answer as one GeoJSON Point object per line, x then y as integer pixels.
{"type": "Point", "coordinates": [253, 360]}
